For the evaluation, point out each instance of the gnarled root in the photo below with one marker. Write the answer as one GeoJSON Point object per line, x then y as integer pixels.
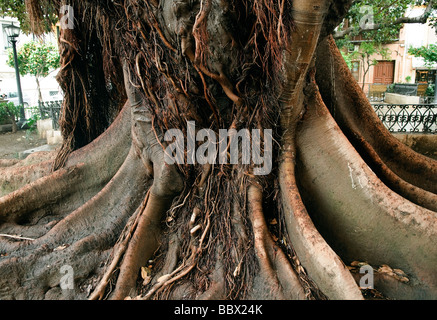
{"type": "Point", "coordinates": [76, 241]}
{"type": "Point", "coordinates": [275, 272]}
{"type": "Point", "coordinates": [101, 158]}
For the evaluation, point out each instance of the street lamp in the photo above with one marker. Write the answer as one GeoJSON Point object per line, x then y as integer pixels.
{"type": "Point", "coordinates": [13, 32]}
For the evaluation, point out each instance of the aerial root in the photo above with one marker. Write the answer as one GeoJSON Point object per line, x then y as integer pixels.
{"type": "Point", "coordinates": [142, 245]}
{"type": "Point", "coordinates": [196, 248]}
{"type": "Point", "coordinates": [118, 251]}
{"type": "Point", "coordinates": [276, 270]}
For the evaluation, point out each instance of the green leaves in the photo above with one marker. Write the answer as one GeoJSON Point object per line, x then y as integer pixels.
{"type": "Point", "coordinates": [8, 110]}
{"type": "Point", "coordinates": [381, 20]}
{"type": "Point", "coordinates": [429, 53]}
{"type": "Point", "coordinates": [17, 9]}
{"type": "Point", "coordinates": [35, 58]}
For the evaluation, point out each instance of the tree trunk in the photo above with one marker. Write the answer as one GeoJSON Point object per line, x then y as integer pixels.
{"type": "Point", "coordinates": [116, 218]}
{"type": "Point", "coordinates": [38, 87]}
{"type": "Point", "coordinates": [14, 123]}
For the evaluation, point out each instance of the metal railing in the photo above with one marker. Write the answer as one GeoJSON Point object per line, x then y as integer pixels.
{"type": "Point", "coordinates": [51, 110]}
{"type": "Point", "coordinates": [403, 118]}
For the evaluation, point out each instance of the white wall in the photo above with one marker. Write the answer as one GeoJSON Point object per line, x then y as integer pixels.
{"type": "Point", "coordinates": [7, 74]}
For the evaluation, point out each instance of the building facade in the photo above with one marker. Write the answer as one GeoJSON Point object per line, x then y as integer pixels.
{"type": "Point", "coordinates": [399, 66]}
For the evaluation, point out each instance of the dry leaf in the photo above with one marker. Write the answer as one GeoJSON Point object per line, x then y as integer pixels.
{"type": "Point", "coordinates": [385, 269]}
{"type": "Point", "coordinates": [61, 247]}
{"type": "Point", "coordinates": [145, 272]}
{"type": "Point", "coordinates": [399, 272]}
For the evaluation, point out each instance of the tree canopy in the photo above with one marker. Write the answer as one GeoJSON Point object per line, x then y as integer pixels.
{"type": "Point", "coordinates": [36, 58]}
{"type": "Point", "coordinates": [17, 9]}
{"type": "Point", "coordinates": [381, 20]}
{"type": "Point", "coordinates": [428, 53]}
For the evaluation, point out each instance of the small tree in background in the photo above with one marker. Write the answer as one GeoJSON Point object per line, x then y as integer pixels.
{"type": "Point", "coordinates": [36, 58]}
{"type": "Point", "coordinates": [365, 54]}
{"type": "Point", "coordinates": [9, 111]}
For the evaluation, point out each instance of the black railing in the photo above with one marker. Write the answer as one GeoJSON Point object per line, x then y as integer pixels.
{"type": "Point", "coordinates": [51, 110]}
{"type": "Point", "coordinates": [420, 118]}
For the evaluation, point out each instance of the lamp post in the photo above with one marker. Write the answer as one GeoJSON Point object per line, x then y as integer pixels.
{"type": "Point", "coordinates": [13, 32]}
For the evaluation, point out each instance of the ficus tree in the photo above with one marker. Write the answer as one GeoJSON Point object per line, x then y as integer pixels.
{"type": "Point", "coordinates": [17, 9]}
{"type": "Point", "coordinates": [366, 54]}
{"type": "Point", "coordinates": [36, 58]}
{"type": "Point", "coordinates": [113, 216]}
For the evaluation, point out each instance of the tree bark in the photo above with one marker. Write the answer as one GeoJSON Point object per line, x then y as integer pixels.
{"type": "Point", "coordinates": [131, 225]}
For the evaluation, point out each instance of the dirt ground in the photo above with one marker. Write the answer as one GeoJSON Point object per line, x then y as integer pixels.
{"type": "Point", "coordinates": [11, 144]}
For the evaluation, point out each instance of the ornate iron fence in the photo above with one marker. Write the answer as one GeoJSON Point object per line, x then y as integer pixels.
{"type": "Point", "coordinates": [51, 110]}
{"type": "Point", "coordinates": [420, 118]}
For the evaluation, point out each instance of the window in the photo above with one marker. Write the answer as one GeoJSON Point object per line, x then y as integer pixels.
{"type": "Point", "coordinates": [425, 76]}
{"type": "Point", "coordinates": [356, 70]}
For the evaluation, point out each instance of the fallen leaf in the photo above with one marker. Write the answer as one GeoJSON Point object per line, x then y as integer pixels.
{"type": "Point", "coordinates": [399, 272]}
{"type": "Point", "coordinates": [61, 247]}
{"type": "Point", "coordinates": [145, 272]}
{"type": "Point", "coordinates": [385, 269]}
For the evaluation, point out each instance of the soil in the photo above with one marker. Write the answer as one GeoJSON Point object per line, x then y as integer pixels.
{"type": "Point", "coordinates": [11, 144]}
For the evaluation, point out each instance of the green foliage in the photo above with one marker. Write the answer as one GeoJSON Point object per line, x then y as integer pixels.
{"type": "Point", "coordinates": [366, 53]}
{"type": "Point", "coordinates": [8, 110]}
{"type": "Point", "coordinates": [430, 90]}
{"type": "Point", "coordinates": [35, 58]}
{"type": "Point", "coordinates": [367, 50]}
{"type": "Point", "coordinates": [17, 9]}
{"type": "Point", "coordinates": [347, 58]}
{"type": "Point", "coordinates": [429, 53]}
{"type": "Point", "coordinates": [385, 14]}
{"type": "Point", "coordinates": [391, 88]}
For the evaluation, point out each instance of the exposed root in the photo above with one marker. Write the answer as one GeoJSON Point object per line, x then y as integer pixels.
{"type": "Point", "coordinates": [359, 215]}
{"type": "Point", "coordinates": [20, 204]}
{"type": "Point", "coordinates": [275, 270]}
{"type": "Point", "coordinates": [119, 250]}
{"type": "Point", "coordinates": [352, 111]}
{"type": "Point", "coordinates": [79, 235]}
{"type": "Point", "coordinates": [99, 160]}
